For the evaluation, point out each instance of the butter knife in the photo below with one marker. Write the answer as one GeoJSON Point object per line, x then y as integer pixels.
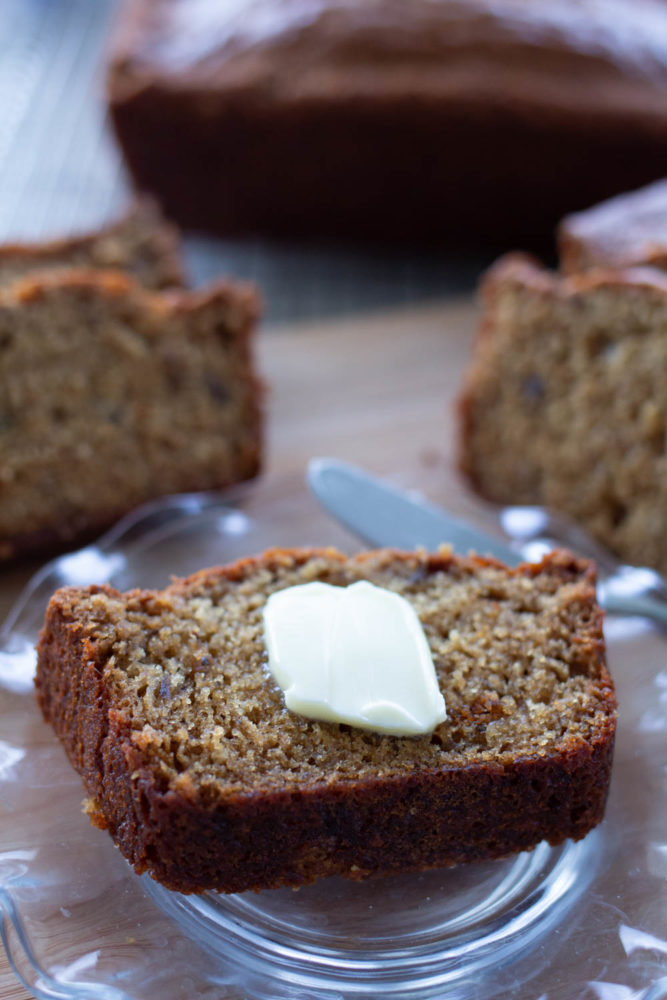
{"type": "Point", "coordinates": [382, 515]}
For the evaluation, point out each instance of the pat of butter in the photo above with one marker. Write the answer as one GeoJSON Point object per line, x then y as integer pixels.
{"type": "Point", "coordinates": [353, 654]}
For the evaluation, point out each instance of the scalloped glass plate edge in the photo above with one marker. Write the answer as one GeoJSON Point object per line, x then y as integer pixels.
{"type": "Point", "coordinates": [99, 563]}
{"type": "Point", "coordinates": [532, 897]}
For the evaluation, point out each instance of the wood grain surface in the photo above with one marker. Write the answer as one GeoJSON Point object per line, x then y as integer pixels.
{"type": "Point", "coordinates": [377, 390]}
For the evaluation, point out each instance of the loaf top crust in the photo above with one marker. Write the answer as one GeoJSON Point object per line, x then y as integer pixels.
{"type": "Point", "coordinates": [523, 271]}
{"type": "Point", "coordinates": [141, 243]}
{"type": "Point", "coordinates": [626, 231]}
{"type": "Point", "coordinates": [573, 57]}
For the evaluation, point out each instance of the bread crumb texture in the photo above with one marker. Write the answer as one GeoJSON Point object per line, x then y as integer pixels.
{"type": "Point", "coordinates": [518, 659]}
{"type": "Point", "coordinates": [112, 395]}
{"type": "Point", "coordinates": [565, 402]}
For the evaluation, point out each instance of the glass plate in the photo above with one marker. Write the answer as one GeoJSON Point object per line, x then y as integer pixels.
{"type": "Point", "coordinates": [585, 920]}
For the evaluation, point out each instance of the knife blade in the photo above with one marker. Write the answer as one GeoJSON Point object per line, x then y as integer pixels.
{"type": "Point", "coordinates": [383, 515]}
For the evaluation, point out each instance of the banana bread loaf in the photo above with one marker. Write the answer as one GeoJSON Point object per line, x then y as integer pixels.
{"type": "Point", "coordinates": [166, 707]}
{"type": "Point", "coordinates": [111, 395]}
{"type": "Point", "coordinates": [445, 120]}
{"type": "Point", "coordinates": [141, 244]}
{"type": "Point", "coordinates": [625, 231]}
{"type": "Point", "coordinates": [565, 400]}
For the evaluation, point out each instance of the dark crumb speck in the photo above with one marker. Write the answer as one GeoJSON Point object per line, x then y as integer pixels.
{"type": "Point", "coordinates": [201, 664]}
{"type": "Point", "coordinates": [618, 511]}
{"type": "Point", "coordinates": [532, 388]}
{"type": "Point", "coordinates": [217, 390]}
{"type": "Point", "coordinates": [173, 368]}
{"type": "Point", "coordinates": [419, 574]}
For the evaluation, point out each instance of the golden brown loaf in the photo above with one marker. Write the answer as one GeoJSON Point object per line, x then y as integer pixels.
{"type": "Point", "coordinates": [445, 120]}
{"type": "Point", "coordinates": [165, 706]}
{"type": "Point", "coordinates": [111, 395]}
{"type": "Point", "coordinates": [565, 400]}
{"type": "Point", "coordinates": [141, 244]}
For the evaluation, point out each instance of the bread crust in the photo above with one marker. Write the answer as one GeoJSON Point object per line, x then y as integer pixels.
{"type": "Point", "coordinates": [380, 116]}
{"type": "Point", "coordinates": [627, 231]}
{"type": "Point", "coordinates": [140, 243]}
{"type": "Point", "coordinates": [235, 841]}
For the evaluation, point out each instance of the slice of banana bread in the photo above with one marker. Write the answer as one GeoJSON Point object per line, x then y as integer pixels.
{"type": "Point", "coordinates": [142, 244]}
{"type": "Point", "coordinates": [166, 707]}
{"type": "Point", "coordinates": [111, 395]}
{"type": "Point", "coordinates": [626, 231]}
{"type": "Point", "coordinates": [565, 400]}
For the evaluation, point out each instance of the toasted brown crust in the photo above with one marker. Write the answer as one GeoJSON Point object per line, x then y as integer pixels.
{"type": "Point", "coordinates": [524, 271]}
{"type": "Point", "coordinates": [627, 231]}
{"type": "Point", "coordinates": [141, 243]}
{"type": "Point", "coordinates": [117, 283]}
{"type": "Point", "coordinates": [233, 841]}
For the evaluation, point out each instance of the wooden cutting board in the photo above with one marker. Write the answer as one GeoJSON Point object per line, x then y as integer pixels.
{"type": "Point", "coordinates": [377, 390]}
